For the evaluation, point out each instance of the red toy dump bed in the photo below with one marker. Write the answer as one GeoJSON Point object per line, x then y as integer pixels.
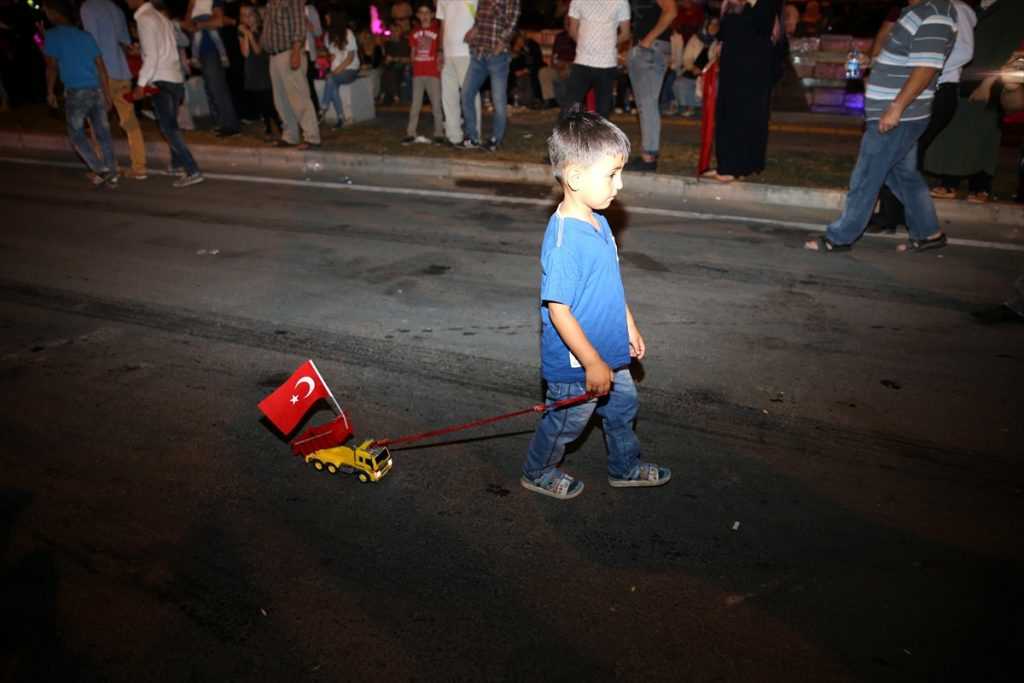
{"type": "Point", "coordinates": [330, 434]}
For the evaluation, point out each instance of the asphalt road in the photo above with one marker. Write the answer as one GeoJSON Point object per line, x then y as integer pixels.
{"type": "Point", "coordinates": [844, 437]}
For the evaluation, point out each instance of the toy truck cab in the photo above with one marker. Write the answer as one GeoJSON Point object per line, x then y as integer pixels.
{"type": "Point", "coordinates": [369, 462]}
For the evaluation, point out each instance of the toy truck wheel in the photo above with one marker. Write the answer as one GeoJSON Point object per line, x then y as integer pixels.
{"type": "Point", "coordinates": [363, 478]}
{"type": "Point", "coordinates": [332, 468]}
{"type": "Point", "coordinates": [317, 464]}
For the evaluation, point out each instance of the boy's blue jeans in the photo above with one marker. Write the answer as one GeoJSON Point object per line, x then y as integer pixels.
{"type": "Point", "coordinates": [87, 104]}
{"type": "Point", "coordinates": [480, 67]}
{"type": "Point", "coordinates": [889, 158]}
{"type": "Point", "coordinates": [559, 428]}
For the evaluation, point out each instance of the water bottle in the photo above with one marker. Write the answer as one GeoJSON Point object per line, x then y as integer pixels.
{"type": "Point", "coordinates": [853, 65]}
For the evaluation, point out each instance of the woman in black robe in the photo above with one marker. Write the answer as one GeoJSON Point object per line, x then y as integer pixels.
{"type": "Point", "coordinates": [747, 73]}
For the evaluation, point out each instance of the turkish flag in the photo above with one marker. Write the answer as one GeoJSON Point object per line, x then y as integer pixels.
{"type": "Point", "coordinates": [292, 400]}
{"type": "Point", "coordinates": [707, 122]}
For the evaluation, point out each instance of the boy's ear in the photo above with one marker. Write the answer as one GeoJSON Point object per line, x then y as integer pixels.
{"type": "Point", "coordinates": [572, 175]}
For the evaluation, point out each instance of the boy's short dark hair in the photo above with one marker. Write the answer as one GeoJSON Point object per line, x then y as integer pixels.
{"type": "Point", "coordinates": [584, 138]}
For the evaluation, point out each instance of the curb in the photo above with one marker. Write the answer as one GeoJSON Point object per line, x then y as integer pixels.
{"type": "Point", "coordinates": [277, 160]}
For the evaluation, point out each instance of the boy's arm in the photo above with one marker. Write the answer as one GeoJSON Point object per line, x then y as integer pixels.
{"type": "Point", "coordinates": [598, 374]}
{"type": "Point", "coordinates": [637, 348]}
{"type": "Point", "coordinates": [51, 81]}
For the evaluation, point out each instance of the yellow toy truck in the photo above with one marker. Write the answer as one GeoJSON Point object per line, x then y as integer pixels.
{"type": "Point", "coordinates": [370, 462]}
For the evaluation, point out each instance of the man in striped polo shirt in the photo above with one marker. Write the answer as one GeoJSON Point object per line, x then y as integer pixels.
{"type": "Point", "coordinates": [898, 103]}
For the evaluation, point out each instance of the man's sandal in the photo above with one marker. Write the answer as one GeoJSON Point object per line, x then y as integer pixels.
{"type": "Point", "coordinates": [644, 474]}
{"type": "Point", "coordinates": [826, 246]}
{"type": "Point", "coordinates": [555, 484]}
{"type": "Point", "coordinates": [924, 245]}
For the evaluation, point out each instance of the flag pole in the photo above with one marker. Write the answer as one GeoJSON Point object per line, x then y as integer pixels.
{"type": "Point", "coordinates": [334, 401]}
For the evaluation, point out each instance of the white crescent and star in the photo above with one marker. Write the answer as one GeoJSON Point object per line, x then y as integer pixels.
{"type": "Point", "coordinates": [307, 381]}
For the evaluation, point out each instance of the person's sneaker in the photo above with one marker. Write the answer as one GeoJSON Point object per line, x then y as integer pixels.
{"type": "Point", "coordinates": [469, 144]}
{"type": "Point", "coordinates": [408, 140]}
{"type": "Point", "coordinates": [189, 180]}
{"type": "Point", "coordinates": [94, 178]}
{"type": "Point", "coordinates": [440, 140]}
{"type": "Point", "coordinates": [177, 171]}
{"type": "Point", "coordinates": [490, 146]}
{"type": "Point", "coordinates": [110, 179]}
{"type": "Point", "coordinates": [421, 140]}
{"type": "Point", "coordinates": [136, 175]}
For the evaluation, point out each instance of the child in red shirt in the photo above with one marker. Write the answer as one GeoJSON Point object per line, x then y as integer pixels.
{"type": "Point", "coordinates": [426, 73]}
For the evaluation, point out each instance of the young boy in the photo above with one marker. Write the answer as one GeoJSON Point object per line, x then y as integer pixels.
{"type": "Point", "coordinates": [588, 334]}
{"type": "Point", "coordinates": [73, 54]}
{"type": "Point", "coordinates": [426, 73]}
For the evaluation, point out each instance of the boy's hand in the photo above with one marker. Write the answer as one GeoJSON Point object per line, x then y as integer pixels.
{"type": "Point", "coordinates": [599, 378]}
{"type": "Point", "coordinates": [637, 348]}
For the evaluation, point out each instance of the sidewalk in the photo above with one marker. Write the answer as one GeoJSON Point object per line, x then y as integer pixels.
{"type": "Point", "coordinates": [810, 157]}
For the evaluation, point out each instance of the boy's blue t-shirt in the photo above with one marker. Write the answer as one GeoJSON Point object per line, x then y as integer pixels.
{"type": "Point", "coordinates": [76, 52]}
{"type": "Point", "coordinates": [580, 269]}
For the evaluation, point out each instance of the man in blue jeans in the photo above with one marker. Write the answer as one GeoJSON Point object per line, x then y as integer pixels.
{"type": "Point", "coordinates": [215, 78]}
{"type": "Point", "coordinates": [488, 42]}
{"type": "Point", "coordinates": [648, 61]}
{"type": "Point", "coordinates": [75, 56]}
{"type": "Point", "coordinates": [161, 69]}
{"type": "Point", "coordinates": [897, 106]}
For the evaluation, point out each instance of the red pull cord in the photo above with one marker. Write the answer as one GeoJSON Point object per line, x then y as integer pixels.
{"type": "Point", "coordinates": [539, 408]}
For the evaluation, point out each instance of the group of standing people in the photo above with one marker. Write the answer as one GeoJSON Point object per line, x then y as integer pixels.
{"type": "Point", "coordinates": [924, 92]}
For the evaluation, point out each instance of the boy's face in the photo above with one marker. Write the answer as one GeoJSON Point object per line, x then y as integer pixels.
{"type": "Point", "coordinates": [597, 185]}
{"type": "Point", "coordinates": [425, 16]}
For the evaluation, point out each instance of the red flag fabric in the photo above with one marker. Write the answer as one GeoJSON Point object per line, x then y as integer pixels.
{"type": "Point", "coordinates": [292, 400]}
{"type": "Point", "coordinates": [707, 124]}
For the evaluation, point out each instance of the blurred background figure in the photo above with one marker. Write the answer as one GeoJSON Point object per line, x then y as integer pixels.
{"type": "Point", "coordinates": [748, 35]}
{"type": "Point", "coordinates": [969, 146]}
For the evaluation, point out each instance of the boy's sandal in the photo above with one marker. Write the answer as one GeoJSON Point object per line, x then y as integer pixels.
{"type": "Point", "coordinates": [825, 246]}
{"type": "Point", "coordinates": [924, 245]}
{"type": "Point", "coordinates": [644, 474]}
{"type": "Point", "coordinates": [978, 198]}
{"type": "Point", "coordinates": [942, 193]}
{"type": "Point", "coordinates": [556, 484]}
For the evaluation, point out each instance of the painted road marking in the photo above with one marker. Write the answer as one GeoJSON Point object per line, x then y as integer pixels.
{"type": "Point", "coordinates": [477, 196]}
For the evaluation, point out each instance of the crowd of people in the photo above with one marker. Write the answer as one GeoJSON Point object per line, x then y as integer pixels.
{"type": "Point", "coordinates": [260, 60]}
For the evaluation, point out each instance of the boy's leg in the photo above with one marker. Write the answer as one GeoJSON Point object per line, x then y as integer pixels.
{"type": "Point", "coordinates": [434, 92]}
{"type": "Point", "coordinates": [76, 105]}
{"type": "Point", "coordinates": [418, 88]}
{"type": "Point", "coordinates": [618, 413]}
{"type": "Point", "coordinates": [556, 430]}
{"type": "Point", "coordinates": [101, 129]}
